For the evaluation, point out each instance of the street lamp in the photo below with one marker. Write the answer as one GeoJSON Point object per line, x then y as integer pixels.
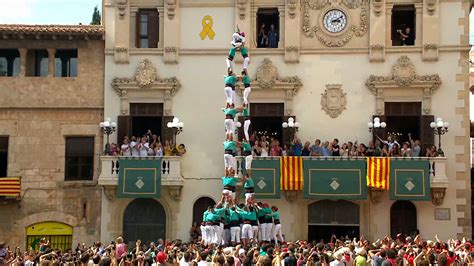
{"type": "Point", "coordinates": [108, 127]}
{"type": "Point", "coordinates": [176, 126]}
{"type": "Point", "coordinates": [292, 125]}
{"type": "Point", "coordinates": [440, 128]}
{"type": "Point", "coordinates": [376, 124]}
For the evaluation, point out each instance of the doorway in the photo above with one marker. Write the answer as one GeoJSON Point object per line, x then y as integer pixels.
{"type": "Point", "coordinates": [266, 120]}
{"type": "Point", "coordinates": [200, 206]}
{"type": "Point", "coordinates": [144, 219]}
{"type": "Point", "coordinates": [328, 217]}
{"type": "Point", "coordinates": [141, 125]}
{"type": "Point", "coordinates": [403, 218]}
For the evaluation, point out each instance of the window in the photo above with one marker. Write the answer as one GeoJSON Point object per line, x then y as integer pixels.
{"type": "Point", "coordinates": [403, 25]}
{"type": "Point", "coordinates": [147, 28]}
{"type": "Point", "coordinates": [268, 28]}
{"type": "Point", "coordinates": [65, 62]}
{"type": "Point", "coordinates": [3, 156]}
{"type": "Point", "coordinates": [9, 62]}
{"type": "Point", "coordinates": [79, 158]}
{"type": "Point", "coordinates": [37, 63]}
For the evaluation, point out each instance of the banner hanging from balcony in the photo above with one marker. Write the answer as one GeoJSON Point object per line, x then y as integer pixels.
{"type": "Point", "coordinates": [326, 178]}
{"type": "Point", "coordinates": [10, 186]}
{"type": "Point", "coordinates": [266, 177]}
{"type": "Point", "coordinates": [409, 179]}
{"type": "Point", "coordinates": [291, 168]}
{"type": "Point", "coordinates": [139, 177]}
{"type": "Point", "coordinates": [378, 172]}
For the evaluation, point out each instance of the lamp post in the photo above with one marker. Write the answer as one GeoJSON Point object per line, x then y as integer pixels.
{"type": "Point", "coordinates": [108, 127]}
{"type": "Point", "coordinates": [375, 125]}
{"type": "Point", "coordinates": [440, 128]}
{"type": "Point", "coordinates": [292, 125]}
{"type": "Point", "coordinates": [176, 126]}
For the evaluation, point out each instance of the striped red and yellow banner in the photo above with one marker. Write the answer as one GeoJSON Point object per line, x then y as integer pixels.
{"type": "Point", "coordinates": [291, 169]}
{"type": "Point", "coordinates": [10, 186]}
{"type": "Point", "coordinates": [378, 173]}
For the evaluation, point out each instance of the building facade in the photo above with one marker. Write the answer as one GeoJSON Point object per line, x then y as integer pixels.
{"type": "Point", "coordinates": [332, 65]}
{"type": "Point", "coordinates": [51, 87]}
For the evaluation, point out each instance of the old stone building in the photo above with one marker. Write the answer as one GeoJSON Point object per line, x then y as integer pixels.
{"type": "Point", "coordinates": [331, 65]}
{"type": "Point", "coordinates": [51, 104]}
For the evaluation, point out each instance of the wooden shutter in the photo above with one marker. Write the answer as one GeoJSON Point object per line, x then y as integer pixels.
{"type": "Point", "coordinates": [426, 132]}
{"type": "Point", "coordinates": [153, 29]}
{"type": "Point", "coordinates": [137, 29]}
{"type": "Point", "coordinates": [167, 133]}
{"type": "Point", "coordinates": [123, 127]}
{"type": "Point", "coordinates": [287, 135]}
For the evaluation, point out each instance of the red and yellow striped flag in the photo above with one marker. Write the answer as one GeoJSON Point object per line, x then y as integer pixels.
{"type": "Point", "coordinates": [291, 170]}
{"type": "Point", "coordinates": [378, 172]}
{"type": "Point", "coordinates": [10, 186]}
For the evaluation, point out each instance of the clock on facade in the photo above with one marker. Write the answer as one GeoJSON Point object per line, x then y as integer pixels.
{"type": "Point", "coordinates": [335, 21]}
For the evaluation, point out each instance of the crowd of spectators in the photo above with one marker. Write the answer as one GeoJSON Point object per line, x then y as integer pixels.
{"type": "Point", "coordinates": [263, 146]}
{"type": "Point", "coordinates": [148, 145]}
{"type": "Point", "coordinates": [399, 251]}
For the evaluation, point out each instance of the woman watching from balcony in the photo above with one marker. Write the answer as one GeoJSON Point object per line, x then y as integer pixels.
{"type": "Point", "coordinates": [167, 149]}
{"type": "Point", "coordinates": [385, 152]}
{"type": "Point", "coordinates": [125, 149]}
{"type": "Point", "coordinates": [158, 150]}
{"type": "Point", "coordinates": [264, 149]}
{"type": "Point", "coordinates": [431, 151]}
{"type": "Point", "coordinates": [406, 151]}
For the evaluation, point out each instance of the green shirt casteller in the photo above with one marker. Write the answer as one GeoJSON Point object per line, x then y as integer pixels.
{"type": "Point", "coordinates": [246, 80]}
{"type": "Point", "coordinates": [229, 181]}
{"type": "Point", "coordinates": [276, 215]}
{"type": "Point", "coordinates": [246, 146]}
{"type": "Point", "coordinates": [246, 112]}
{"type": "Point", "coordinates": [248, 183]}
{"type": "Point", "coordinates": [230, 145]}
{"type": "Point", "coordinates": [230, 80]}
{"type": "Point", "coordinates": [230, 111]}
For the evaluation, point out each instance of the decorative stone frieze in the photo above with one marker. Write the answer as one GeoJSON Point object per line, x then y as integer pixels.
{"type": "Point", "coordinates": [404, 76]}
{"type": "Point", "coordinates": [376, 195]}
{"type": "Point", "coordinates": [431, 6]}
{"type": "Point", "coordinates": [292, 54]}
{"type": "Point", "coordinates": [377, 6]}
{"type": "Point", "coordinates": [292, 5]}
{"type": "Point", "coordinates": [437, 195]}
{"type": "Point", "coordinates": [333, 100]}
{"type": "Point", "coordinates": [242, 6]}
{"type": "Point", "coordinates": [377, 53]}
{"type": "Point", "coordinates": [430, 52]}
{"type": "Point", "coordinates": [121, 55]}
{"type": "Point", "coordinates": [170, 55]}
{"type": "Point", "coordinates": [146, 83]}
{"type": "Point", "coordinates": [291, 195]}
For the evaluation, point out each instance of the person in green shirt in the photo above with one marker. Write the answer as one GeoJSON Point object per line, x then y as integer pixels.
{"type": "Point", "coordinates": [229, 88]}
{"type": "Point", "coordinates": [229, 183]}
{"type": "Point", "coordinates": [238, 44]}
{"type": "Point", "coordinates": [234, 219]}
{"type": "Point", "coordinates": [246, 115]}
{"type": "Point", "coordinates": [275, 214]}
{"type": "Point", "coordinates": [230, 149]}
{"type": "Point", "coordinates": [246, 80]}
{"type": "Point", "coordinates": [249, 189]}
{"type": "Point", "coordinates": [229, 121]}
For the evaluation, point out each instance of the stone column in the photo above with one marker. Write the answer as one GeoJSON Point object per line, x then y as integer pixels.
{"type": "Point", "coordinates": [388, 28]}
{"type": "Point", "coordinates": [161, 26]}
{"type": "Point", "coordinates": [378, 32]}
{"type": "Point", "coordinates": [430, 34]}
{"type": "Point", "coordinates": [419, 26]}
{"type": "Point", "coordinates": [23, 53]}
{"type": "Point", "coordinates": [133, 27]}
{"type": "Point", "coordinates": [51, 63]}
{"type": "Point", "coordinates": [281, 31]}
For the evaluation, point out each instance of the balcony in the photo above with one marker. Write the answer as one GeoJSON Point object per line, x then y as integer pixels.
{"type": "Point", "coordinates": [171, 177]}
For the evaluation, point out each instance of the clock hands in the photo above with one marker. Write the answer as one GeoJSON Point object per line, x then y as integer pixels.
{"type": "Point", "coordinates": [338, 20]}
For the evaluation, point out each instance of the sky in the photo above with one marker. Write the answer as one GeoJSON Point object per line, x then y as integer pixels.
{"type": "Point", "coordinates": [47, 11]}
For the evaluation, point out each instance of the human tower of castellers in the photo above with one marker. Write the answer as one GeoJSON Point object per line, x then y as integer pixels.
{"type": "Point", "coordinates": [228, 222]}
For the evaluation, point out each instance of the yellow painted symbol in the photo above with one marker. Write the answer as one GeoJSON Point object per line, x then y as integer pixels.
{"type": "Point", "coordinates": [207, 28]}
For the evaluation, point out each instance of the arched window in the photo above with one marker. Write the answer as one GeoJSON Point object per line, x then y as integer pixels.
{"type": "Point", "coordinates": [200, 205]}
{"type": "Point", "coordinates": [403, 218]}
{"type": "Point", "coordinates": [328, 217]}
{"type": "Point", "coordinates": [144, 219]}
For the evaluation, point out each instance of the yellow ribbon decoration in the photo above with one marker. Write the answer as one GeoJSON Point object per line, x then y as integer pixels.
{"type": "Point", "coordinates": [207, 28]}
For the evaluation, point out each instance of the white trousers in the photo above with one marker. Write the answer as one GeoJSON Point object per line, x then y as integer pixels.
{"type": "Point", "coordinates": [246, 95]}
{"type": "Point", "coordinates": [248, 162]}
{"type": "Point", "coordinates": [203, 233]}
{"type": "Point", "coordinates": [255, 231]}
{"type": "Point", "coordinates": [229, 63]}
{"type": "Point", "coordinates": [229, 161]}
{"type": "Point", "coordinates": [235, 234]}
{"type": "Point", "coordinates": [229, 95]}
{"type": "Point", "coordinates": [218, 234]}
{"type": "Point", "coordinates": [246, 62]}
{"type": "Point", "coordinates": [246, 129]}
{"type": "Point", "coordinates": [247, 231]}
{"type": "Point", "coordinates": [277, 232]}
{"type": "Point", "coordinates": [268, 231]}
{"type": "Point", "coordinates": [229, 126]}
{"type": "Point", "coordinates": [210, 234]}
{"type": "Point", "coordinates": [226, 236]}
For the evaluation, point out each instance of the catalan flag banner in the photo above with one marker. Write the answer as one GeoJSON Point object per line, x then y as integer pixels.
{"type": "Point", "coordinates": [10, 186]}
{"type": "Point", "coordinates": [291, 169]}
{"type": "Point", "coordinates": [378, 173]}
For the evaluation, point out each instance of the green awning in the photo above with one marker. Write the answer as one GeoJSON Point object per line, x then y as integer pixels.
{"type": "Point", "coordinates": [409, 179]}
{"type": "Point", "coordinates": [325, 178]}
{"type": "Point", "coordinates": [139, 177]}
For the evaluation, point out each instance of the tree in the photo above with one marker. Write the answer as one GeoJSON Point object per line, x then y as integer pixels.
{"type": "Point", "coordinates": [96, 19]}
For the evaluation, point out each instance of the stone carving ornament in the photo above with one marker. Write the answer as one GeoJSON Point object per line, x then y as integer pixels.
{"type": "Point", "coordinates": [266, 74]}
{"type": "Point", "coordinates": [378, 7]}
{"type": "Point", "coordinates": [242, 5]}
{"type": "Point", "coordinates": [431, 6]}
{"type": "Point", "coordinates": [170, 7]}
{"type": "Point", "coordinates": [333, 100]}
{"type": "Point", "coordinates": [292, 4]}
{"type": "Point", "coordinates": [122, 6]}
{"type": "Point", "coordinates": [330, 40]}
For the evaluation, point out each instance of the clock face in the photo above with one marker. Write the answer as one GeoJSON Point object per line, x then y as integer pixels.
{"type": "Point", "coordinates": [335, 21]}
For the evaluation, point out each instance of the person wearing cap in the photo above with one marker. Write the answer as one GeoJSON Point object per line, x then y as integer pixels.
{"type": "Point", "coordinates": [238, 44]}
